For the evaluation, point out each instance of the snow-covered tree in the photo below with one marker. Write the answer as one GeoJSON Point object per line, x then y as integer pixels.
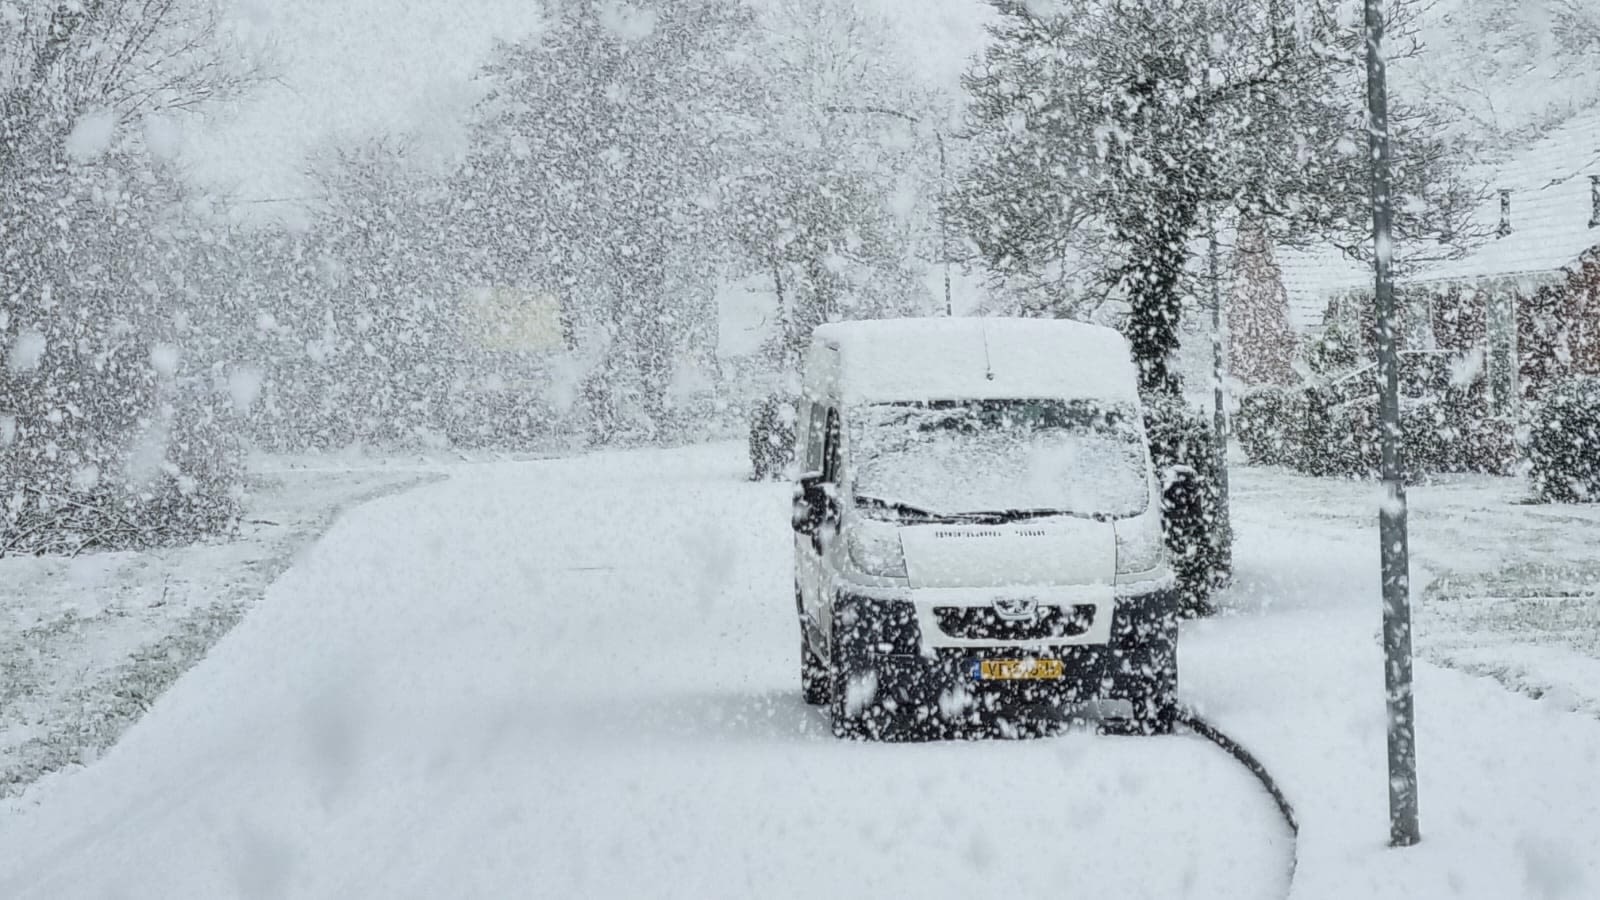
{"type": "Point", "coordinates": [1577, 28]}
{"type": "Point", "coordinates": [592, 175]}
{"type": "Point", "coordinates": [383, 342]}
{"type": "Point", "coordinates": [1504, 72]}
{"type": "Point", "coordinates": [93, 298]}
{"type": "Point", "coordinates": [836, 198]}
{"type": "Point", "coordinates": [1109, 132]}
{"type": "Point", "coordinates": [1261, 348]}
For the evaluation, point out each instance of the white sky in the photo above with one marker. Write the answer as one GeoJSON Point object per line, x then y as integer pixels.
{"type": "Point", "coordinates": [349, 68]}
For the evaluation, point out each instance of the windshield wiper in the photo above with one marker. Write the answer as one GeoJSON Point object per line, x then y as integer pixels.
{"type": "Point", "coordinates": [1018, 515]}
{"type": "Point", "coordinates": [907, 511]}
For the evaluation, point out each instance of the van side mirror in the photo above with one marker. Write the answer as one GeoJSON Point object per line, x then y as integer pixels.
{"type": "Point", "coordinates": [811, 503]}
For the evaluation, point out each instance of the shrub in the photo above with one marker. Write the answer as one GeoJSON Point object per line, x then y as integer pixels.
{"type": "Point", "coordinates": [1262, 426]}
{"type": "Point", "coordinates": [200, 488]}
{"type": "Point", "coordinates": [1564, 443]}
{"type": "Point", "coordinates": [1446, 426]}
{"type": "Point", "coordinates": [772, 437]}
{"type": "Point", "coordinates": [170, 476]}
{"type": "Point", "coordinates": [1486, 445]}
{"type": "Point", "coordinates": [1194, 520]}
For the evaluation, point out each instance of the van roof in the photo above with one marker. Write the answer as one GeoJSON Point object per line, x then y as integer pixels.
{"type": "Point", "coordinates": [890, 360]}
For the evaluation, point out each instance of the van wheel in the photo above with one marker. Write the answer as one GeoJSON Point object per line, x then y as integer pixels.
{"type": "Point", "coordinates": [848, 702]}
{"type": "Point", "coordinates": [813, 673]}
{"type": "Point", "coordinates": [1155, 713]}
{"type": "Point", "coordinates": [1155, 698]}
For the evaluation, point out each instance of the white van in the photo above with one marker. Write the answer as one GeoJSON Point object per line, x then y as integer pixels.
{"type": "Point", "coordinates": [978, 527]}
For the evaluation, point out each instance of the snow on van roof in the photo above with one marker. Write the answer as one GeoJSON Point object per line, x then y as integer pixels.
{"type": "Point", "coordinates": [888, 360]}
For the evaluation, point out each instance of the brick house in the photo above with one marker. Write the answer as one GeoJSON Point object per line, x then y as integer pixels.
{"type": "Point", "coordinates": [1527, 298]}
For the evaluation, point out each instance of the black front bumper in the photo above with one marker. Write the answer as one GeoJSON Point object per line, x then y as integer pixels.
{"type": "Point", "coordinates": [920, 691]}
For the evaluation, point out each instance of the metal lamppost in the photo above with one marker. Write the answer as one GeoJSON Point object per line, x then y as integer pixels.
{"type": "Point", "coordinates": [1403, 830]}
{"type": "Point", "coordinates": [944, 223]}
{"type": "Point", "coordinates": [1219, 372]}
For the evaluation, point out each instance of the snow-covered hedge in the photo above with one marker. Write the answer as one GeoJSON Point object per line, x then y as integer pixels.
{"type": "Point", "coordinates": [1268, 421]}
{"type": "Point", "coordinates": [1332, 429]}
{"type": "Point", "coordinates": [1197, 529]}
{"type": "Point", "coordinates": [169, 471]}
{"type": "Point", "coordinates": [1564, 444]}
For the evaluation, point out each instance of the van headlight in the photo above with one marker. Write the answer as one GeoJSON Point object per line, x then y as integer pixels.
{"type": "Point", "coordinates": [875, 548]}
{"type": "Point", "coordinates": [1140, 546]}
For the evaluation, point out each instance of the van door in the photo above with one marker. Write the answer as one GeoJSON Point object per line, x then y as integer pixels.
{"type": "Point", "coordinates": [823, 454]}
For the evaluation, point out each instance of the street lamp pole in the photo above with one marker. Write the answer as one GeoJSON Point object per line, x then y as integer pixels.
{"type": "Point", "coordinates": [944, 223]}
{"type": "Point", "coordinates": [1403, 829]}
{"type": "Point", "coordinates": [1222, 538]}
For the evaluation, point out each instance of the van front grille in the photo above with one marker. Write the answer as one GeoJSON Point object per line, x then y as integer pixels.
{"type": "Point", "coordinates": [982, 623]}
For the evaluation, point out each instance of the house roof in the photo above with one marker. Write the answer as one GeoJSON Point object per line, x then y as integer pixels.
{"type": "Point", "coordinates": [1551, 207]}
{"type": "Point", "coordinates": [1312, 277]}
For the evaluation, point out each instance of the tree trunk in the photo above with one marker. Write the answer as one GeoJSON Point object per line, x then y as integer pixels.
{"type": "Point", "coordinates": [1158, 235]}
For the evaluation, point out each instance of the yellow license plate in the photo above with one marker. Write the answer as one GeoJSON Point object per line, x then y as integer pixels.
{"type": "Point", "coordinates": [1020, 669]}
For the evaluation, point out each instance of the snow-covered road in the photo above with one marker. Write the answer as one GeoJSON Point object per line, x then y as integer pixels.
{"type": "Point", "coordinates": [578, 679]}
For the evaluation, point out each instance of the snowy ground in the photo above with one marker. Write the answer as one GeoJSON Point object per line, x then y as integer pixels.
{"type": "Point", "coordinates": [578, 678]}
{"type": "Point", "coordinates": [1293, 668]}
{"type": "Point", "coordinates": [1503, 587]}
{"type": "Point", "coordinates": [575, 679]}
{"type": "Point", "coordinates": [87, 644]}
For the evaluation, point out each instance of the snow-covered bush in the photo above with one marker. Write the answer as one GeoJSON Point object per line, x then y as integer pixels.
{"type": "Point", "coordinates": [1269, 420]}
{"type": "Point", "coordinates": [772, 437]}
{"type": "Point", "coordinates": [168, 472]}
{"type": "Point", "coordinates": [202, 475]}
{"type": "Point", "coordinates": [1487, 445]}
{"type": "Point", "coordinates": [1332, 429]}
{"type": "Point", "coordinates": [1438, 435]}
{"type": "Point", "coordinates": [1564, 443]}
{"type": "Point", "coordinates": [1198, 532]}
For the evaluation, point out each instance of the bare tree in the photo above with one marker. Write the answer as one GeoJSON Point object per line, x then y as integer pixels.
{"type": "Point", "coordinates": [60, 59]}
{"type": "Point", "coordinates": [1577, 28]}
{"type": "Point", "coordinates": [91, 250]}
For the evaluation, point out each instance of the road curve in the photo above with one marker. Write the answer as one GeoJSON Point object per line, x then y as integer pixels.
{"type": "Point", "coordinates": [578, 678]}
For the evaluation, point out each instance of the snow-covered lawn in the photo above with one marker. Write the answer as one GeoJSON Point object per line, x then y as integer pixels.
{"type": "Point", "coordinates": [1502, 587]}
{"type": "Point", "coordinates": [86, 644]}
{"type": "Point", "coordinates": [1293, 668]}
{"type": "Point", "coordinates": [578, 678]}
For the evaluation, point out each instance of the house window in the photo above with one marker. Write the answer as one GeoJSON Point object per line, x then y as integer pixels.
{"type": "Point", "coordinates": [1417, 326]}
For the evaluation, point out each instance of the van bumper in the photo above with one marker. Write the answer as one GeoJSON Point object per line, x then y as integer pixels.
{"type": "Point", "coordinates": [930, 689]}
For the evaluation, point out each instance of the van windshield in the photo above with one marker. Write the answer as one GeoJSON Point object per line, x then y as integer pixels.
{"type": "Point", "coordinates": [1031, 457]}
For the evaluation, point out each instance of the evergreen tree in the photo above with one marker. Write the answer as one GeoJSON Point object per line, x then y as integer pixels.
{"type": "Point", "coordinates": [1261, 342]}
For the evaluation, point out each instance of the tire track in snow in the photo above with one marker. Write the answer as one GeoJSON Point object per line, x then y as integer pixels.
{"type": "Point", "coordinates": [1200, 726]}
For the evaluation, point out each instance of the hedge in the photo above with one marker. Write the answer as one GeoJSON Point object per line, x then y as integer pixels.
{"type": "Point", "coordinates": [1564, 443]}
{"type": "Point", "coordinates": [1333, 429]}
{"type": "Point", "coordinates": [1196, 524]}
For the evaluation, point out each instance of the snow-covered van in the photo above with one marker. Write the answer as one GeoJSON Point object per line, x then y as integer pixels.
{"type": "Point", "coordinates": [977, 527]}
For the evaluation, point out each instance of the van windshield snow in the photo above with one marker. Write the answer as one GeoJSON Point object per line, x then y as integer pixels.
{"type": "Point", "coordinates": [1008, 458]}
